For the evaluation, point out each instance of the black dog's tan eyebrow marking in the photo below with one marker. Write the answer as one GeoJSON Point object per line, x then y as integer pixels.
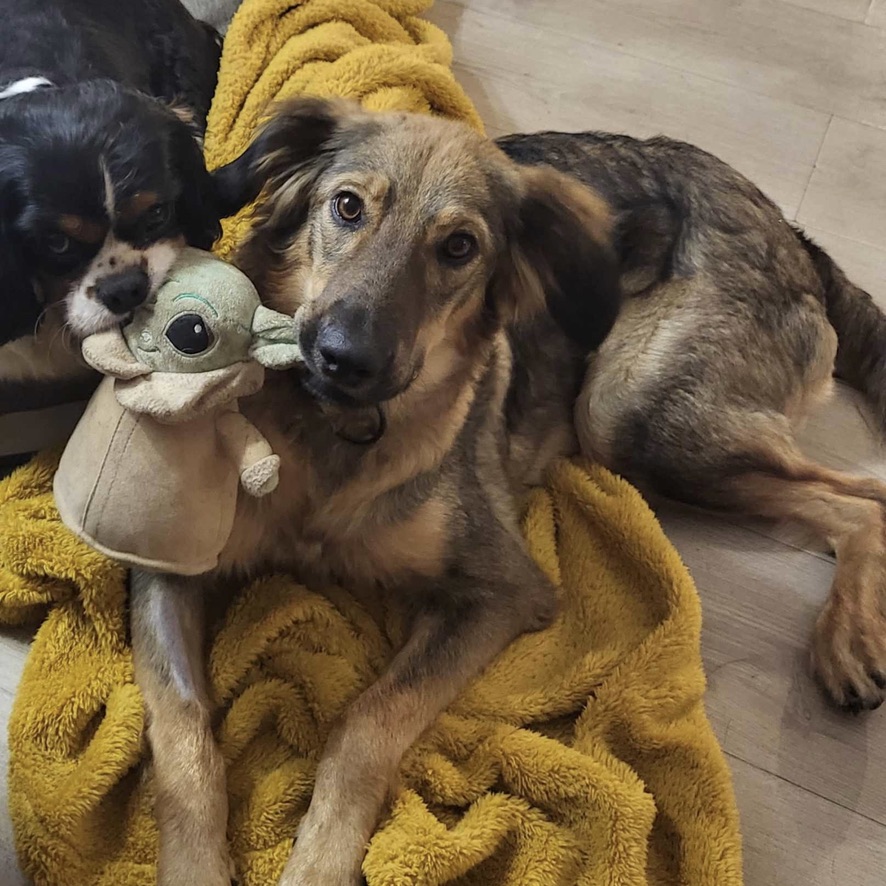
{"type": "Point", "coordinates": [84, 230]}
{"type": "Point", "coordinates": [133, 207]}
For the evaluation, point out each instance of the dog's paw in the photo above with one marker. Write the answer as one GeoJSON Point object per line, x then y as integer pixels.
{"type": "Point", "coordinates": [298, 874]}
{"type": "Point", "coordinates": [849, 657]}
{"type": "Point", "coordinates": [176, 873]}
{"type": "Point", "coordinates": [329, 858]}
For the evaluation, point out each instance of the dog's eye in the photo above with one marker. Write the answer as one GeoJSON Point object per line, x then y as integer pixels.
{"type": "Point", "coordinates": [189, 334]}
{"type": "Point", "coordinates": [157, 216]}
{"type": "Point", "coordinates": [347, 207]}
{"type": "Point", "coordinates": [58, 244]}
{"type": "Point", "coordinates": [458, 248]}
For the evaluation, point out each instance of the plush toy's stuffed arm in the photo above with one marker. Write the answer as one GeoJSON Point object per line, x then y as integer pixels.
{"type": "Point", "coordinates": [248, 449]}
{"type": "Point", "coordinates": [108, 353]}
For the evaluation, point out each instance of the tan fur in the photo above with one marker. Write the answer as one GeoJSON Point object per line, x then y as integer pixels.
{"type": "Point", "coordinates": [849, 645]}
{"type": "Point", "coordinates": [339, 526]}
{"type": "Point", "coordinates": [189, 777]}
{"type": "Point", "coordinates": [51, 354]}
{"type": "Point", "coordinates": [132, 208]}
{"type": "Point", "coordinates": [724, 343]}
{"type": "Point", "coordinates": [83, 229]}
{"type": "Point", "coordinates": [399, 516]}
{"type": "Point", "coordinates": [755, 397]}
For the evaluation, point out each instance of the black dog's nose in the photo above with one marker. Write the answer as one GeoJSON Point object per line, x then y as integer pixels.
{"type": "Point", "coordinates": [123, 291]}
{"type": "Point", "coordinates": [347, 352]}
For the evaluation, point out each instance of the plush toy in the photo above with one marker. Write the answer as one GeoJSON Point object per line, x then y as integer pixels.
{"type": "Point", "coordinates": [152, 471]}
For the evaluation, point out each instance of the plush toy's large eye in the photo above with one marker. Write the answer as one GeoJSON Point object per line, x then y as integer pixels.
{"type": "Point", "coordinates": [189, 334]}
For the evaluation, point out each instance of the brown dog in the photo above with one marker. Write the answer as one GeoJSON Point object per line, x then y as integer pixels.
{"type": "Point", "coordinates": [433, 278]}
{"type": "Point", "coordinates": [730, 331]}
{"type": "Point", "coordinates": [411, 248]}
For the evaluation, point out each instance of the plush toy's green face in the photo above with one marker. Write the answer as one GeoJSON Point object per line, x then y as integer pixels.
{"type": "Point", "coordinates": [201, 319]}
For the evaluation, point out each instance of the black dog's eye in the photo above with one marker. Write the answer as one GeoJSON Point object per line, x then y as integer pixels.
{"type": "Point", "coordinates": [347, 207]}
{"type": "Point", "coordinates": [157, 216]}
{"type": "Point", "coordinates": [189, 334]}
{"type": "Point", "coordinates": [58, 244]}
{"type": "Point", "coordinates": [458, 248]}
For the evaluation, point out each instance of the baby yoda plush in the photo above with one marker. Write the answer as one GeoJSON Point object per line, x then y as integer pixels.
{"type": "Point", "coordinates": [151, 473]}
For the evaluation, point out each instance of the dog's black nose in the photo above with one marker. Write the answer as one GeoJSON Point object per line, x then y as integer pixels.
{"type": "Point", "coordinates": [122, 292]}
{"type": "Point", "coordinates": [348, 353]}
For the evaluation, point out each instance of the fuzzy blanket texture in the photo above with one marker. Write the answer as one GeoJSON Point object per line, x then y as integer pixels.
{"type": "Point", "coordinates": [377, 52]}
{"type": "Point", "coordinates": [582, 756]}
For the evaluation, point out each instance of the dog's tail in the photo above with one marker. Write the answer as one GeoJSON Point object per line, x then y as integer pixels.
{"type": "Point", "coordinates": [860, 327]}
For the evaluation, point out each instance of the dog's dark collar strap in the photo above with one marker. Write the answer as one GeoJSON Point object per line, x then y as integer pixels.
{"type": "Point", "coordinates": [24, 85]}
{"type": "Point", "coordinates": [362, 427]}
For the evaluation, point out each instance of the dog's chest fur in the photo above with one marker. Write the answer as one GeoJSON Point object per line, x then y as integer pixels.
{"type": "Point", "coordinates": [370, 514]}
{"type": "Point", "coordinates": [401, 507]}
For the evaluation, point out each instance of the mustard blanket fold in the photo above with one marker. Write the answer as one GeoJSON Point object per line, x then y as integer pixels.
{"type": "Point", "coordinates": [582, 756]}
{"type": "Point", "coordinates": [375, 51]}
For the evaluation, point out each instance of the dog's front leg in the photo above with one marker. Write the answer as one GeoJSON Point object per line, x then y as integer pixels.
{"type": "Point", "coordinates": [190, 798]}
{"type": "Point", "coordinates": [465, 621]}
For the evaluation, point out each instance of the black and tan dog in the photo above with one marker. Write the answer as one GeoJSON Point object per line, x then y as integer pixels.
{"type": "Point", "coordinates": [433, 278]}
{"type": "Point", "coordinates": [102, 181]}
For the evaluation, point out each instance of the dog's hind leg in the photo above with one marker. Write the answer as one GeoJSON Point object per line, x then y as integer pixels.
{"type": "Point", "coordinates": [849, 643]}
{"type": "Point", "coordinates": [748, 462]}
{"type": "Point", "coordinates": [190, 798]}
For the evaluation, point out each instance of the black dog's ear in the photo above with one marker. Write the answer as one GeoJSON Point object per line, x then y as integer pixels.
{"type": "Point", "coordinates": [560, 256]}
{"type": "Point", "coordinates": [19, 306]}
{"type": "Point", "coordinates": [197, 208]}
{"type": "Point", "coordinates": [293, 139]}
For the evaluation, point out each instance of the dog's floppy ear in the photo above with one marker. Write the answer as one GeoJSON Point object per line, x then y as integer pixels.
{"type": "Point", "coordinates": [289, 145]}
{"type": "Point", "coordinates": [560, 256]}
{"type": "Point", "coordinates": [197, 208]}
{"type": "Point", "coordinates": [19, 305]}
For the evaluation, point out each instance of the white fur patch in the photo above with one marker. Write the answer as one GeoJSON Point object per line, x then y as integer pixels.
{"type": "Point", "coordinates": [26, 84]}
{"type": "Point", "coordinates": [110, 204]}
{"type": "Point", "coordinates": [86, 314]}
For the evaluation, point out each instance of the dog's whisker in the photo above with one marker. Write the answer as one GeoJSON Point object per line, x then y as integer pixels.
{"type": "Point", "coordinates": [40, 318]}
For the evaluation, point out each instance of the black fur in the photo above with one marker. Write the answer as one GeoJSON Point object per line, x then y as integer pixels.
{"type": "Point", "coordinates": [20, 307]}
{"type": "Point", "coordinates": [582, 287]}
{"type": "Point", "coordinates": [116, 68]}
{"type": "Point", "coordinates": [860, 326]}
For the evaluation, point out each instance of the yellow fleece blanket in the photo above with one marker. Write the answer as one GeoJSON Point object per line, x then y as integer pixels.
{"type": "Point", "coordinates": [377, 52]}
{"type": "Point", "coordinates": [582, 756]}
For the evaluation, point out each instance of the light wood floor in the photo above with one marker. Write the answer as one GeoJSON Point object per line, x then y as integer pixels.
{"type": "Point", "coordinates": [792, 93]}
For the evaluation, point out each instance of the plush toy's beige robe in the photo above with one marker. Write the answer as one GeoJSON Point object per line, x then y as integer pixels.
{"type": "Point", "coordinates": [151, 474]}
{"type": "Point", "coordinates": [158, 494]}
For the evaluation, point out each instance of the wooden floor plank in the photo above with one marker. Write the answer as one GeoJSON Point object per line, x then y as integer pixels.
{"type": "Point", "coordinates": [760, 599]}
{"type": "Point", "coordinates": [767, 47]}
{"type": "Point", "coordinates": [570, 82]}
{"type": "Point", "coordinates": [847, 190]}
{"type": "Point", "coordinates": [794, 838]}
{"type": "Point", "coordinates": [876, 16]}
{"type": "Point", "coordinates": [852, 10]}
{"type": "Point", "coordinates": [864, 264]}
{"type": "Point", "coordinates": [13, 650]}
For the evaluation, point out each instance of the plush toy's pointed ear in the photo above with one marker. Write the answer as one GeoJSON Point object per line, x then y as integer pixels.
{"type": "Point", "coordinates": [108, 353]}
{"type": "Point", "coordinates": [275, 339]}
